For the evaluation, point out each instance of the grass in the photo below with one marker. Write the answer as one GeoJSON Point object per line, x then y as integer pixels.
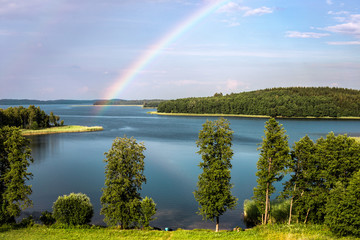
{"type": "Point", "coordinates": [61, 129]}
{"type": "Point", "coordinates": [270, 232]}
{"type": "Point", "coordinates": [356, 139]}
{"type": "Point", "coordinates": [246, 116]}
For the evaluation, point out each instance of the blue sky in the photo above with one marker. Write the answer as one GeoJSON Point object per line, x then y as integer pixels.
{"type": "Point", "coordinates": [77, 49]}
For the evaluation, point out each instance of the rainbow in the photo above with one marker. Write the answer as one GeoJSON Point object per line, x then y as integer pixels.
{"type": "Point", "coordinates": [137, 66]}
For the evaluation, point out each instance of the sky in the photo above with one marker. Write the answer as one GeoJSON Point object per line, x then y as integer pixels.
{"type": "Point", "coordinates": [167, 49]}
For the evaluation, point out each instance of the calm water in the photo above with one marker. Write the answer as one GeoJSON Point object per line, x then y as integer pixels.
{"type": "Point", "coordinates": [73, 162]}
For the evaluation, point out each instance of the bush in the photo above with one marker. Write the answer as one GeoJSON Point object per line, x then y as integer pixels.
{"type": "Point", "coordinates": [73, 209]}
{"type": "Point", "coordinates": [279, 212]}
{"type": "Point", "coordinates": [343, 208]}
{"type": "Point", "coordinates": [148, 209]}
{"type": "Point", "coordinates": [47, 218]}
{"type": "Point", "coordinates": [252, 215]}
{"type": "Point", "coordinates": [27, 222]}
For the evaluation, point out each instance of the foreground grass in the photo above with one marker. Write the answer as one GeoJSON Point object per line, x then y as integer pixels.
{"type": "Point", "coordinates": [246, 116]}
{"type": "Point", "coordinates": [61, 129]}
{"type": "Point", "coordinates": [278, 232]}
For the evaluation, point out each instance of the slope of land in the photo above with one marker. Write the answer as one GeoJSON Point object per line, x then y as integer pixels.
{"type": "Point", "coordinates": [276, 102]}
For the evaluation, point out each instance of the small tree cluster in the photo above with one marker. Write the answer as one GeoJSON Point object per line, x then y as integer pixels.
{"type": "Point", "coordinates": [322, 184]}
{"type": "Point", "coordinates": [28, 118]}
{"type": "Point", "coordinates": [73, 209]}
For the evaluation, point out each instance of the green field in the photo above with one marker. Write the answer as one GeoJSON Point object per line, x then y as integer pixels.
{"type": "Point", "coordinates": [270, 232]}
{"type": "Point", "coordinates": [61, 129]}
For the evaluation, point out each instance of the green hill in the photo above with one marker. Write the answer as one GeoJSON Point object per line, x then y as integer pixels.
{"type": "Point", "coordinates": [275, 102]}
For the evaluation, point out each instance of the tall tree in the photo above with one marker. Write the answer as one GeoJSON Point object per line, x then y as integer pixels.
{"type": "Point", "coordinates": [15, 157]}
{"type": "Point", "coordinates": [124, 175]}
{"type": "Point", "coordinates": [214, 188]}
{"type": "Point", "coordinates": [274, 157]}
{"type": "Point", "coordinates": [302, 165]}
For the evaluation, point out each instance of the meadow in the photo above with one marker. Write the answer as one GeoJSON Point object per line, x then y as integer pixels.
{"type": "Point", "coordinates": [269, 232]}
{"type": "Point", "coordinates": [61, 129]}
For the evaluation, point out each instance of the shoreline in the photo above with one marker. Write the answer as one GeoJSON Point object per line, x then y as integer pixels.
{"type": "Point", "coordinates": [249, 116]}
{"type": "Point", "coordinates": [61, 129]}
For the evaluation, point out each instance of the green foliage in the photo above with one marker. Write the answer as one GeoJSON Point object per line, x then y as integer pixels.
{"type": "Point", "coordinates": [15, 158]}
{"type": "Point", "coordinates": [279, 212]}
{"type": "Point", "coordinates": [274, 158]}
{"type": "Point", "coordinates": [27, 222]}
{"type": "Point", "coordinates": [318, 168]}
{"type": "Point", "coordinates": [27, 118]}
{"type": "Point", "coordinates": [285, 102]}
{"type": "Point", "coordinates": [124, 174]}
{"type": "Point", "coordinates": [73, 209]}
{"type": "Point", "coordinates": [47, 218]}
{"type": "Point", "coordinates": [252, 215]}
{"type": "Point", "coordinates": [148, 209]}
{"type": "Point", "coordinates": [343, 208]}
{"type": "Point", "coordinates": [214, 187]}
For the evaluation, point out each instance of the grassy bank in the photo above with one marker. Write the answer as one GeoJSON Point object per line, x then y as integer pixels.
{"type": "Point", "coordinates": [246, 116]}
{"type": "Point", "coordinates": [61, 129]}
{"type": "Point", "coordinates": [278, 232]}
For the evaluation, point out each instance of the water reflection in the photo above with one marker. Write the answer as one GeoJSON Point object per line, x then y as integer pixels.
{"type": "Point", "coordinates": [44, 146]}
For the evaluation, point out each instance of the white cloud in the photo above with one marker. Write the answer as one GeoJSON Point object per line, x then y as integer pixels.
{"type": "Point", "coordinates": [329, 2]}
{"type": "Point", "coordinates": [296, 34]}
{"type": "Point", "coordinates": [344, 43]}
{"type": "Point", "coordinates": [233, 8]}
{"type": "Point", "coordinates": [338, 13]}
{"type": "Point", "coordinates": [258, 11]}
{"type": "Point", "coordinates": [350, 27]}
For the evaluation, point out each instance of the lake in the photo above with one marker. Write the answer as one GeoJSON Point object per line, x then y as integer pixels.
{"type": "Point", "coordinates": [73, 162]}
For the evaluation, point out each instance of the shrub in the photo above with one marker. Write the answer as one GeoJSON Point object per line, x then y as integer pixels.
{"type": "Point", "coordinates": [252, 215]}
{"type": "Point", "coordinates": [279, 212]}
{"type": "Point", "coordinates": [47, 218]}
{"type": "Point", "coordinates": [73, 209]}
{"type": "Point", "coordinates": [343, 208]}
{"type": "Point", "coordinates": [148, 209]}
{"type": "Point", "coordinates": [27, 222]}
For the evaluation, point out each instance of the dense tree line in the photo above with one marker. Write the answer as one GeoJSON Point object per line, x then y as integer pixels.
{"type": "Point", "coordinates": [28, 118]}
{"type": "Point", "coordinates": [284, 102]}
{"type": "Point", "coordinates": [144, 103]}
{"type": "Point", "coordinates": [323, 179]}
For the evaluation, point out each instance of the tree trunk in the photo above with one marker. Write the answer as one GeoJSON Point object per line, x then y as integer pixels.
{"type": "Point", "coordinates": [291, 205]}
{"type": "Point", "coordinates": [266, 204]}
{"type": "Point", "coordinates": [307, 214]}
{"type": "Point", "coordinates": [267, 197]}
{"type": "Point", "coordinates": [217, 224]}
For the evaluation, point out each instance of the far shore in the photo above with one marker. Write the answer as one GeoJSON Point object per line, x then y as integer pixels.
{"type": "Point", "coordinates": [248, 116]}
{"type": "Point", "coordinates": [61, 129]}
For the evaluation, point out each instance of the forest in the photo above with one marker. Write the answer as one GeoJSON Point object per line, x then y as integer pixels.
{"type": "Point", "coordinates": [28, 118]}
{"type": "Point", "coordinates": [274, 102]}
{"type": "Point", "coordinates": [145, 102]}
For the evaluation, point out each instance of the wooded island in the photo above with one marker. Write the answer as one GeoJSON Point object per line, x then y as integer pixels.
{"type": "Point", "coordinates": [274, 102]}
